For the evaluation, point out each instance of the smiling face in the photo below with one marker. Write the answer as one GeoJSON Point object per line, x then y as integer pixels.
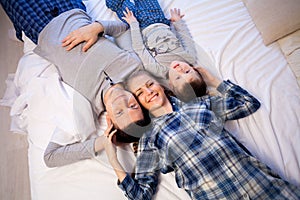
{"type": "Point", "coordinates": [148, 91]}
{"type": "Point", "coordinates": [122, 107]}
{"type": "Point", "coordinates": [181, 72]}
{"type": "Point", "coordinates": [185, 81]}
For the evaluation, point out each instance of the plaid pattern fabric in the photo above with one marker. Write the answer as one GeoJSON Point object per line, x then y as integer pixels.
{"type": "Point", "coordinates": [147, 12]}
{"type": "Point", "coordinates": [31, 16]}
{"type": "Point", "coordinates": [207, 160]}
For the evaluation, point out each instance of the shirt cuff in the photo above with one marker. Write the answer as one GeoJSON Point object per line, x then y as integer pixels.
{"type": "Point", "coordinates": [134, 25]}
{"type": "Point", "coordinates": [225, 86]}
{"type": "Point", "coordinates": [91, 147]}
{"type": "Point", "coordinates": [127, 184]}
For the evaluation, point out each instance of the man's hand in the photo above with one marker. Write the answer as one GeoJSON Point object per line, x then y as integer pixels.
{"type": "Point", "coordinates": [129, 16]}
{"type": "Point", "coordinates": [88, 34]}
{"type": "Point", "coordinates": [175, 15]}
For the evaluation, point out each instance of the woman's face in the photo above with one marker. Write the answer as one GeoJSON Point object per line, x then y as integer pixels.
{"type": "Point", "coordinates": [181, 73]}
{"type": "Point", "coordinates": [148, 91]}
{"type": "Point", "coordinates": [122, 107]}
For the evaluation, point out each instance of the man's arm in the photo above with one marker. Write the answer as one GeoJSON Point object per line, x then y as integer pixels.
{"type": "Point", "coordinates": [59, 155]}
{"type": "Point", "coordinates": [91, 32]}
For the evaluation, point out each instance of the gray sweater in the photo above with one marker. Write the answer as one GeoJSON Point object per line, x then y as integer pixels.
{"type": "Point", "coordinates": [158, 45]}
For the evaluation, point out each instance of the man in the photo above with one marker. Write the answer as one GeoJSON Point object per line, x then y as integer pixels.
{"type": "Point", "coordinates": [48, 23]}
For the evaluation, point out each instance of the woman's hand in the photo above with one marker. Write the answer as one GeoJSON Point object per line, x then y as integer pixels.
{"type": "Point", "coordinates": [209, 79]}
{"type": "Point", "coordinates": [129, 16]}
{"type": "Point", "coordinates": [88, 34]}
{"type": "Point", "coordinates": [175, 15]}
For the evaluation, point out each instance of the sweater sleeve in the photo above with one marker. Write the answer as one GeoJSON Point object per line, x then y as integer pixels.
{"type": "Point", "coordinates": [58, 155]}
{"type": "Point", "coordinates": [113, 28]}
{"type": "Point", "coordinates": [149, 62]}
{"type": "Point", "coordinates": [183, 34]}
{"type": "Point", "coordinates": [145, 182]}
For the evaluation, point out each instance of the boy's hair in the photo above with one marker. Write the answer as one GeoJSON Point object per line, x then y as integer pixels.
{"type": "Point", "coordinates": [191, 90]}
{"type": "Point", "coordinates": [199, 86]}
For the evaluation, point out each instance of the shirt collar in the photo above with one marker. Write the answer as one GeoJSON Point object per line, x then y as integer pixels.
{"type": "Point", "coordinates": [176, 103]}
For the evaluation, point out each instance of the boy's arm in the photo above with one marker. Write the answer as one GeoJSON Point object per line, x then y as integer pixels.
{"type": "Point", "coordinates": [183, 34]}
{"type": "Point", "coordinates": [149, 62]}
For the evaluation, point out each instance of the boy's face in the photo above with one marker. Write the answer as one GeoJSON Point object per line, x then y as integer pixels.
{"type": "Point", "coordinates": [181, 73]}
{"type": "Point", "coordinates": [122, 107]}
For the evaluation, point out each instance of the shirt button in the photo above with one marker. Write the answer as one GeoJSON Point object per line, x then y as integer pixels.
{"type": "Point", "coordinates": [246, 197]}
{"type": "Point", "coordinates": [54, 12]}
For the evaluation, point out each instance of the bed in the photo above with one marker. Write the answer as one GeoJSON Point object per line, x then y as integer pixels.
{"type": "Point", "coordinates": [235, 48]}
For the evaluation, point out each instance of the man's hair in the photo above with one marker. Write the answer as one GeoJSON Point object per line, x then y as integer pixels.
{"type": "Point", "coordinates": [134, 131]}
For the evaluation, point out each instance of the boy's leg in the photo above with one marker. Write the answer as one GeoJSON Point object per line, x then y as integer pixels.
{"type": "Point", "coordinates": [149, 12]}
{"type": "Point", "coordinates": [118, 6]}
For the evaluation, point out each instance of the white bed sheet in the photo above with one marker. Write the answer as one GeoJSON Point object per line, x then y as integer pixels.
{"type": "Point", "coordinates": [225, 30]}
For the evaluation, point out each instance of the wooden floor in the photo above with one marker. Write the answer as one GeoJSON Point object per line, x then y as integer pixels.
{"type": "Point", "coordinates": [14, 179]}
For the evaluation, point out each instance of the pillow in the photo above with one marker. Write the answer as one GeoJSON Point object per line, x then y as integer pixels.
{"type": "Point", "coordinates": [274, 18]}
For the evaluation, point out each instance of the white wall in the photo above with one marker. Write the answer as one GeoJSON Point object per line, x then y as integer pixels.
{"type": "Point", "coordinates": [14, 180]}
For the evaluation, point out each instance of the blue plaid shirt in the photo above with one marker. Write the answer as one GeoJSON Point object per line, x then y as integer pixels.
{"type": "Point", "coordinates": [208, 162]}
{"type": "Point", "coordinates": [147, 12]}
{"type": "Point", "coordinates": [31, 16]}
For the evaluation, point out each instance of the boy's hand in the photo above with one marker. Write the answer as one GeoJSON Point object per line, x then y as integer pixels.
{"type": "Point", "coordinates": [88, 34]}
{"type": "Point", "coordinates": [175, 15]}
{"type": "Point", "coordinates": [129, 16]}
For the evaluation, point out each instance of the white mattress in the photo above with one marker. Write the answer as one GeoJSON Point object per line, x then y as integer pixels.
{"type": "Point", "coordinates": [226, 32]}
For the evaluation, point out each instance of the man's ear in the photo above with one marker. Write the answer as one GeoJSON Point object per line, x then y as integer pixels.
{"type": "Point", "coordinates": [108, 119]}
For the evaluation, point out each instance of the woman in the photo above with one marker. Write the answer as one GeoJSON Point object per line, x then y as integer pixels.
{"type": "Point", "coordinates": [190, 139]}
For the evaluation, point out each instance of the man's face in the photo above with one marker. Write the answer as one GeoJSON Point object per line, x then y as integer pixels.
{"type": "Point", "coordinates": [122, 107]}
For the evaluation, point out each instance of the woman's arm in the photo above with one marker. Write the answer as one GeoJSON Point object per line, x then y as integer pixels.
{"type": "Point", "coordinates": [141, 188]}
{"type": "Point", "coordinates": [235, 103]}
{"type": "Point", "coordinates": [59, 155]}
